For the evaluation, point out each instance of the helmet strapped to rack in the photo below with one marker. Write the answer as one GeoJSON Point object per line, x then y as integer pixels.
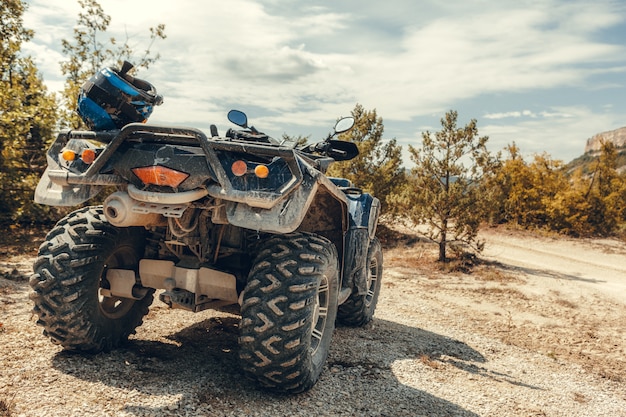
{"type": "Point", "coordinates": [113, 98]}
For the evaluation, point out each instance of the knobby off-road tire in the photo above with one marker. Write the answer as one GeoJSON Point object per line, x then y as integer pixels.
{"type": "Point", "coordinates": [69, 273]}
{"type": "Point", "coordinates": [288, 312]}
{"type": "Point", "coordinates": [358, 309]}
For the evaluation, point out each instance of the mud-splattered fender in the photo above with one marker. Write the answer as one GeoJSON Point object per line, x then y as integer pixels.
{"type": "Point", "coordinates": [363, 210]}
{"type": "Point", "coordinates": [289, 213]}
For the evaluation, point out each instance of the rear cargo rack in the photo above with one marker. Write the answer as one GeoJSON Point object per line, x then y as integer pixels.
{"type": "Point", "coordinates": [143, 133]}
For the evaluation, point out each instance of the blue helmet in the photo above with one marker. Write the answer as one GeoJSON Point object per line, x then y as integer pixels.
{"type": "Point", "coordinates": [112, 98]}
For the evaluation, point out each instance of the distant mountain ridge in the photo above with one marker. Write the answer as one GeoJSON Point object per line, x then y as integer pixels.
{"type": "Point", "coordinates": [586, 162]}
{"type": "Point", "coordinates": [617, 136]}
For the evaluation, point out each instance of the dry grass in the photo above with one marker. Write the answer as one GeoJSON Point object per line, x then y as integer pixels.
{"type": "Point", "coordinates": [407, 258]}
{"type": "Point", "coordinates": [7, 406]}
{"type": "Point", "coordinates": [566, 303]}
{"type": "Point", "coordinates": [501, 292]}
{"type": "Point", "coordinates": [428, 361]}
{"type": "Point", "coordinates": [492, 272]}
{"type": "Point", "coordinates": [405, 248]}
{"type": "Point", "coordinates": [580, 398]}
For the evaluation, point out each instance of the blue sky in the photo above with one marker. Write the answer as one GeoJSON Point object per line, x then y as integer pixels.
{"type": "Point", "coordinates": [545, 74]}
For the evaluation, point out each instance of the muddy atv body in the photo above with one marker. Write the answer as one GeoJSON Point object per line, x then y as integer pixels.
{"type": "Point", "coordinates": [207, 223]}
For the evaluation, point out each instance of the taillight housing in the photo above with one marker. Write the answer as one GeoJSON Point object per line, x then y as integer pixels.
{"type": "Point", "coordinates": [77, 154]}
{"type": "Point", "coordinates": [240, 168]}
{"type": "Point", "coordinates": [160, 175]}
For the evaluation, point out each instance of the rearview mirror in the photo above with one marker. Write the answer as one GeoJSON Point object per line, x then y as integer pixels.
{"type": "Point", "coordinates": [238, 117]}
{"type": "Point", "coordinates": [344, 124]}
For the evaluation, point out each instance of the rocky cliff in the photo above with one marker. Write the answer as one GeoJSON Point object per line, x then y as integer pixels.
{"type": "Point", "coordinates": [617, 136]}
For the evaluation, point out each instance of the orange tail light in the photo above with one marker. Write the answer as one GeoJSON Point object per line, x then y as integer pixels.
{"type": "Point", "coordinates": [160, 175]}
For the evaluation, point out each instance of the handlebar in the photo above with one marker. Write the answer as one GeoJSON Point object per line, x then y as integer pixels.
{"type": "Point", "coordinates": [247, 135]}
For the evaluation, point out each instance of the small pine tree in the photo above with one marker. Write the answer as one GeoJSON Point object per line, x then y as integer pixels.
{"type": "Point", "coordinates": [444, 190]}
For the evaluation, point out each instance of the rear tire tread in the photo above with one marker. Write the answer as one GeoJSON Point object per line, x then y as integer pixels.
{"type": "Point", "coordinates": [278, 307]}
{"type": "Point", "coordinates": [66, 280]}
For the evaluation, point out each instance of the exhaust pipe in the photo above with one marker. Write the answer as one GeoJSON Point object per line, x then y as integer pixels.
{"type": "Point", "coordinates": [123, 211]}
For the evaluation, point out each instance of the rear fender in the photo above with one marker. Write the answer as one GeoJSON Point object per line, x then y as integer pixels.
{"type": "Point", "coordinates": [68, 186]}
{"type": "Point", "coordinates": [59, 193]}
{"type": "Point", "coordinates": [54, 194]}
{"type": "Point", "coordinates": [364, 210]}
{"type": "Point", "coordinates": [315, 205]}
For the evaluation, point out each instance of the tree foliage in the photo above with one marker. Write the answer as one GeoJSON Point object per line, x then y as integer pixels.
{"type": "Point", "coordinates": [521, 192]}
{"type": "Point", "coordinates": [444, 190]}
{"type": "Point", "coordinates": [27, 120]}
{"type": "Point", "coordinates": [87, 53]}
{"type": "Point", "coordinates": [596, 203]}
{"type": "Point", "coordinates": [378, 168]}
{"type": "Point", "coordinates": [28, 113]}
{"type": "Point", "coordinates": [541, 194]}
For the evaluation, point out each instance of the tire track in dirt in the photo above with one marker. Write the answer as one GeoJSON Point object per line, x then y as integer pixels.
{"type": "Point", "coordinates": [601, 267]}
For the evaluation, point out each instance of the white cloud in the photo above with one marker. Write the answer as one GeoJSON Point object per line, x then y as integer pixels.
{"type": "Point", "coordinates": [562, 131]}
{"type": "Point", "coordinates": [303, 65]}
{"type": "Point", "coordinates": [526, 113]}
{"type": "Point", "coordinates": [503, 115]}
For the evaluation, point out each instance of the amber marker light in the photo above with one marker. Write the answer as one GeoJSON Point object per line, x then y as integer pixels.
{"type": "Point", "coordinates": [88, 156]}
{"type": "Point", "coordinates": [261, 171]}
{"type": "Point", "coordinates": [239, 168]}
{"type": "Point", "coordinates": [160, 175]}
{"type": "Point", "coordinates": [68, 155]}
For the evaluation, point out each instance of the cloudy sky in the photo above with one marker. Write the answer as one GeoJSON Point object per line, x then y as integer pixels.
{"type": "Point", "coordinates": [545, 74]}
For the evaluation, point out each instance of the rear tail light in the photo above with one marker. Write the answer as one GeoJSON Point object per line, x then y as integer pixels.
{"type": "Point", "coordinates": [239, 168]}
{"type": "Point", "coordinates": [88, 156]}
{"type": "Point", "coordinates": [160, 175]}
{"type": "Point", "coordinates": [68, 155]}
{"type": "Point", "coordinates": [261, 171]}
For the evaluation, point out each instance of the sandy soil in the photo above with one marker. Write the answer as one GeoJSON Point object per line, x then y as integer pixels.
{"type": "Point", "coordinates": [536, 329]}
{"type": "Point", "coordinates": [595, 265]}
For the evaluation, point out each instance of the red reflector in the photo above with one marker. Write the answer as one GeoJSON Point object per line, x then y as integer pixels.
{"type": "Point", "coordinates": [88, 156]}
{"type": "Point", "coordinates": [159, 175]}
{"type": "Point", "coordinates": [239, 168]}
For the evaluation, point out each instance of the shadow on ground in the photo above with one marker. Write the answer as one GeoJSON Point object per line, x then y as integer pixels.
{"type": "Point", "coordinates": [545, 273]}
{"type": "Point", "coordinates": [199, 365]}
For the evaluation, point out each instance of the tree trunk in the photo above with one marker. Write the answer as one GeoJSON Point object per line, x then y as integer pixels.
{"type": "Point", "coordinates": [443, 241]}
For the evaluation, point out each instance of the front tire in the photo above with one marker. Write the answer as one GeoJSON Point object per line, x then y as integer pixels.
{"type": "Point", "coordinates": [358, 310]}
{"type": "Point", "coordinates": [288, 311]}
{"type": "Point", "coordinates": [69, 273]}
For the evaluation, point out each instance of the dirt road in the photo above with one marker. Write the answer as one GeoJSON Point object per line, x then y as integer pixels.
{"type": "Point", "coordinates": [536, 331]}
{"type": "Point", "coordinates": [596, 265]}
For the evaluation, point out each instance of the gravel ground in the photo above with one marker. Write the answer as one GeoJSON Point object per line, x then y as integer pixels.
{"type": "Point", "coordinates": [506, 340]}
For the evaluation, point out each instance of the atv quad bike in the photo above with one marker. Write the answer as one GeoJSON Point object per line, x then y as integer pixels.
{"type": "Point", "coordinates": [208, 223]}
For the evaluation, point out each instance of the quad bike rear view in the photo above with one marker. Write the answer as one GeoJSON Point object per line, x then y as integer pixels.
{"type": "Point", "coordinates": [206, 222]}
